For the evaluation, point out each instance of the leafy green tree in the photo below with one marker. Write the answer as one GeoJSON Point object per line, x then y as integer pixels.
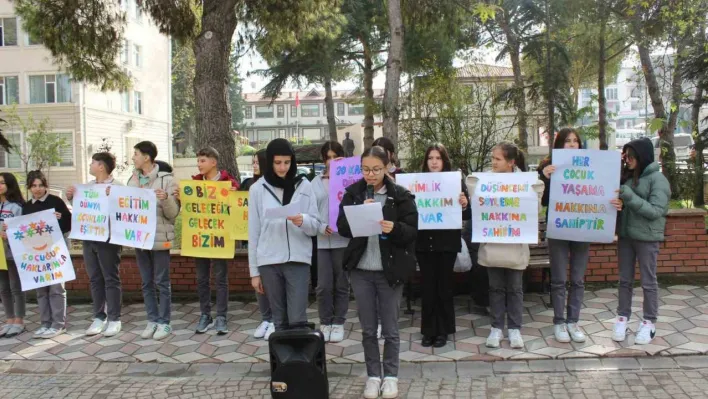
{"type": "Point", "coordinates": [183, 102]}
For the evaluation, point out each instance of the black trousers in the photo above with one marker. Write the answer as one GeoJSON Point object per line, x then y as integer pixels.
{"type": "Point", "coordinates": [438, 314]}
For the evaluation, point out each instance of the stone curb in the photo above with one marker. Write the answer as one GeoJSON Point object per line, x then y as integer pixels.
{"type": "Point", "coordinates": [433, 370]}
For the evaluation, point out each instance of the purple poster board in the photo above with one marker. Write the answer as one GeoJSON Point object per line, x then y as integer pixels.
{"type": "Point", "coordinates": [343, 173]}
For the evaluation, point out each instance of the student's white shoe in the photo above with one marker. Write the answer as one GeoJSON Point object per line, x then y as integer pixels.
{"type": "Point", "coordinates": [646, 333]}
{"type": "Point", "coordinates": [162, 331]}
{"type": "Point", "coordinates": [515, 338]}
{"type": "Point", "coordinates": [40, 332]}
{"type": "Point", "coordinates": [53, 332]}
{"type": "Point", "coordinates": [389, 388]}
{"type": "Point", "coordinates": [96, 327]}
{"type": "Point", "coordinates": [576, 333]}
{"type": "Point", "coordinates": [373, 388]}
{"type": "Point", "coordinates": [494, 338]}
{"type": "Point", "coordinates": [269, 330]}
{"type": "Point", "coordinates": [619, 331]}
{"type": "Point", "coordinates": [337, 333]}
{"type": "Point", "coordinates": [261, 330]}
{"type": "Point", "coordinates": [326, 332]}
{"type": "Point", "coordinates": [113, 328]}
{"type": "Point", "coordinates": [560, 331]}
{"type": "Point", "coordinates": [149, 330]}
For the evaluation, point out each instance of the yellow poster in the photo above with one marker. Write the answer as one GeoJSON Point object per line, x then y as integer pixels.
{"type": "Point", "coordinates": [239, 215]}
{"type": "Point", "coordinates": [3, 261]}
{"type": "Point", "coordinates": [206, 211]}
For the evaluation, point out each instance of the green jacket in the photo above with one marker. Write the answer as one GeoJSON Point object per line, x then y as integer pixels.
{"type": "Point", "coordinates": [643, 216]}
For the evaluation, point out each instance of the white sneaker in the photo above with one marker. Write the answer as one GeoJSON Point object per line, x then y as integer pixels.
{"type": "Point", "coordinates": [113, 328]}
{"type": "Point", "coordinates": [647, 332]}
{"type": "Point", "coordinates": [619, 332]}
{"type": "Point", "coordinates": [494, 338]}
{"type": "Point", "coordinates": [389, 389]}
{"type": "Point", "coordinates": [261, 330]}
{"type": "Point", "coordinates": [373, 388]}
{"type": "Point", "coordinates": [337, 333]}
{"type": "Point", "coordinates": [576, 333]}
{"type": "Point", "coordinates": [53, 332]}
{"type": "Point", "coordinates": [96, 327]}
{"type": "Point", "coordinates": [515, 338]}
{"type": "Point", "coordinates": [149, 330]}
{"type": "Point", "coordinates": [162, 331]}
{"type": "Point", "coordinates": [378, 332]}
{"type": "Point", "coordinates": [326, 332]}
{"type": "Point", "coordinates": [561, 333]}
{"type": "Point", "coordinates": [40, 332]}
{"type": "Point", "coordinates": [269, 330]}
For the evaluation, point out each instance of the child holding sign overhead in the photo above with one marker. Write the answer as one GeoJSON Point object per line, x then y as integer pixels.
{"type": "Point", "coordinates": [11, 294]}
{"type": "Point", "coordinates": [505, 262]}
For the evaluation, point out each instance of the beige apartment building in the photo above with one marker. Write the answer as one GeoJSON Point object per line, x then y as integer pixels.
{"type": "Point", "coordinates": [81, 113]}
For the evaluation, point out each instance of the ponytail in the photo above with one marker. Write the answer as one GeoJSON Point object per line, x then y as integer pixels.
{"type": "Point", "coordinates": [512, 152]}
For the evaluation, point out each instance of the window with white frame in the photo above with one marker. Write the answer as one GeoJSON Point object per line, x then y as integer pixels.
{"type": "Point", "coordinates": [125, 101]}
{"type": "Point", "coordinates": [356, 109]}
{"type": "Point", "coordinates": [293, 111]}
{"type": "Point", "coordinates": [32, 40]}
{"type": "Point", "coordinates": [340, 109]}
{"type": "Point", "coordinates": [611, 93]}
{"type": "Point", "coordinates": [125, 53]}
{"type": "Point", "coordinates": [264, 111]}
{"type": "Point", "coordinates": [248, 112]}
{"type": "Point", "coordinates": [281, 111]}
{"type": "Point", "coordinates": [138, 103]}
{"type": "Point", "coordinates": [9, 90]}
{"type": "Point", "coordinates": [137, 55]}
{"type": "Point", "coordinates": [310, 110]}
{"type": "Point", "coordinates": [138, 14]}
{"type": "Point", "coordinates": [49, 89]}
{"type": "Point", "coordinates": [11, 160]}
{"type": "Point", "coordinates": [8, 32]}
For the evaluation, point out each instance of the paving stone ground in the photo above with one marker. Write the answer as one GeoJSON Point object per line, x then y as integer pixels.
{"type": "Point", "coordinates": [682, 329]}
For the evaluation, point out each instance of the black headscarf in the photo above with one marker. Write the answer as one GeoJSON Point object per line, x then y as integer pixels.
{"type": "Point", "coordinates": [281, 147]}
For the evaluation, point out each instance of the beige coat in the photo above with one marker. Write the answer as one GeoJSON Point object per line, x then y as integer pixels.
{"type": "Point", "coordinates": [509, 256]}
{"type": "Point", "coordinates": [161, 177]}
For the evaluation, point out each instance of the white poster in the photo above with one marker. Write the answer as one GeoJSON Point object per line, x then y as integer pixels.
{"type": "Point", "coordinates": [89, 217]}
{"type": "Point", "coordinates": [582, 187]}
{"type": "Point", "coordinates": [39, 250]}
{"type": "Point", "coordinates": [505, 208]}
{"type": "Point", "coordinates": [133, 215]}
{"type": "Point", "coordinates": [437, 196]}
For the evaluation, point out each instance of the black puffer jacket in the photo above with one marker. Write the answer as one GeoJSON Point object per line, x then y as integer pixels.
{"type": "Point", "coordinates": [397, 247]}
{"type": "Point", "coordinates": [444, 240]}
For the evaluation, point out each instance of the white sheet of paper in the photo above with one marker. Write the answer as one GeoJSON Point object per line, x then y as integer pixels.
{"type": "Point", "coordinates": [291, 209]}
{"type": "Point", "coordinates": [364, 219]}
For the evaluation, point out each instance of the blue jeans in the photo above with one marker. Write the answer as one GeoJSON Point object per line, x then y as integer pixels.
{"type": "Point", "coordinates": [154, 269]}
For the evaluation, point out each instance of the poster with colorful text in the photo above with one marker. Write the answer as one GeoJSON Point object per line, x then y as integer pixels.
{"type": "Point", "coordinates": [582, 187]}
{"type": "Point", "coordinates": [133, 216]}
{"type": "Point", "coordinates": [89, 216]}
{"type": "Point", "coordinates": [39, 250]}
{"type": "Point", "coordinates": [206, 212]}
{"type": "Point", "coordinates": [505, 208]}
{"type": "Point", "coordinates": [437, 196]}
{"type": "Point", "coordinates": [239, 215]}
{"type": "Point", "coordinates": [342, 174]}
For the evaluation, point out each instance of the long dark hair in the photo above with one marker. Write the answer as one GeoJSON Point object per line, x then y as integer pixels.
{"type": "Point", "coordinates": [262, 161]}
{"type": "Point", "coordinates": [331, 146]}
{"type": "Point", "coordinates": [13, 194]}
{"type": "Point", "coordinates": [631, 174]}
{"type": "Point", "coordinates": [559, 143]}
{"type": "Point", "coordinates": [512, 152]}
{"type": "Point", "coordinates": [386, 144]}
{"type": "Point", "coordinates": [447, 165]}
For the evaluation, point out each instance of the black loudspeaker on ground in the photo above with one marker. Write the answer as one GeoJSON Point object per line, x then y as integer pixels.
{"type": "Point", "coordinates": [298, 364]}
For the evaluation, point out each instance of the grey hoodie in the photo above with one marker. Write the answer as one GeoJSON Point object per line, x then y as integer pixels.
{"type": "Point", "coordinates": [9, 210]}
{"type": "Point", "coordinates": [320, 187]}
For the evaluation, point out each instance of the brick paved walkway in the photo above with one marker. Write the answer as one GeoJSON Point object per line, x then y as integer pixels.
{"type": "Point", "coordinates": [682, 329]}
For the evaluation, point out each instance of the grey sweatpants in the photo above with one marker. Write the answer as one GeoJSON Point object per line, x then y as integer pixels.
{"type": "Point", "coordinates": [377, 300]}
{"type": "Point", "coordinates": [221, 278]}
{"type": "Point", "coordinates": [506, 297]}
{"type": "Point", "coordinates": [154, 269]}
{"type": "Point", "coordinates": [287, 287]}
{"type": "Point", "coordinates": [332, 287]}
{"type": "Point", "coordinates": [561, 252]}
{"type": "Point", "coordinates": [102, 262]}
{"type": "Point", "coordinates": [52, 306]}
{"type": "Point", "coordinates": [264, 307]}
{"type": "Point", "coordinates": [629, 252]}
{"type": "Point", "coordinates": [11, 294]}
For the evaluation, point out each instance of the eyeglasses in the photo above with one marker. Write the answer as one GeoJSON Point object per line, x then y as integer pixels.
{"type": "Point", "coordinates": [375, 171]}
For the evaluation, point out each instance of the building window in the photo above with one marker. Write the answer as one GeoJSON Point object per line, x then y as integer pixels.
{"type": "Point", "coordinates": [281, 133]}
{"type": "Point", "coordinates": [248, 112]}
{"type": "Point", "coordinates": [125, 101]}
{"type": "Point", "coordinates": [33, 40]}
{"type": "Point", "coordinates": [264, 111]}
{"type": "Point", "coordinates": [281, 111]}
{"type": "Point", "coordinates": [125, 53]}
{"type": "Point", "coordinates": [49, 89]}
{"type": "Point", "coordinates": [356, 109]}
{"type": "Point", "coordinates": [8, 32]}
{"type": "Point", "coordinates": [293, 111]}
{"type": "Point", "coordinates": [138, 102]}
{"type": "Point", "coordinates": [265, 135]}
{"type": "Point", "coordinates": [138, 14]}
{"type": "Point", "coordinates": [11, 160]}
{"type": "Point", "coordinates": [137, 55]}
{"type": "Point", "coordinates": [66, 152]}
{"type": "Point", "coordinates": [611, 94]}
{"type": "Point", "coordinates": [9, 90]}
{"type": "Point", "coordinates": [310, 110]}
{"type": "Point", "coordinates": [340, 109]}
{"type": "Point", "coordinates": [587, 94]}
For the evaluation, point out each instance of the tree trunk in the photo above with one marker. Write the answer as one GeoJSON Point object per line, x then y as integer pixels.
{"type": "Point", "coordinates": [550, 96]}
{"type": "Point", "coordinates": [394, 66]}
{"type": "Point", "coordinates": [211, 81]}
{"type": "Point", "coordinates": [699, 161]}
{"type": "Point", "coordinates": [602, 63]}
{"type": "Point", "coordinates": [369, 103]}
{"type": "Point", "coordinates": [512, 43]}
{"type": "Point", "coordinates": [329, 105]}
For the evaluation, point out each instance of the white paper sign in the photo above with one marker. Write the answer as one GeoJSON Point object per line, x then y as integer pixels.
{"type": "Point", "coordinates": [133, 216]}
{"type": "Point", "coordinates": [364, 220]}
{"type": "Point", "coordinates": [437, 198]}
{"type": "Point", "coordinates": [39, 250]}
{"type": "Point", "coordinates": [505, 208]}
{"type": "Point", "coordinates": [89, 217]}
{"type": "Point", "coordinates": [292, 209]}
{"type": "Point", "coordinates": [582, 187]}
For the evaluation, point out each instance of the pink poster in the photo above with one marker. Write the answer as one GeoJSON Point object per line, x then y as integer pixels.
{"type": "Point", "coordinates": [343, 173]}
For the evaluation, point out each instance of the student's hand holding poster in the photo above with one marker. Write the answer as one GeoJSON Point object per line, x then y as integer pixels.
{"type": "Point", "coordinates": [437, 196]}
{"type": "Point", "coordinates": [133, 217]}
{"type": "Point", "coordinates": [39, 250]}
{"type": "Point", "coordinates": [206, 211]}
{"type": "Point", "coordinates": [342, 174]}
{"type": "Point", "coordinates": [89, 219]}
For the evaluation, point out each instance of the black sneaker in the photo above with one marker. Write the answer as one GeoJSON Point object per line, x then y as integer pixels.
{"type": "Point", "coordinates": [221, 327]}
{"type": "Point", "coordinates": [205, 323]}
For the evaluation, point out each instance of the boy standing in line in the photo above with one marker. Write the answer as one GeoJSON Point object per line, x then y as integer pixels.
{"type": "Point", "coordinates": [207, 160]}
{"type": "Point", "coordinates": [102, 260]}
